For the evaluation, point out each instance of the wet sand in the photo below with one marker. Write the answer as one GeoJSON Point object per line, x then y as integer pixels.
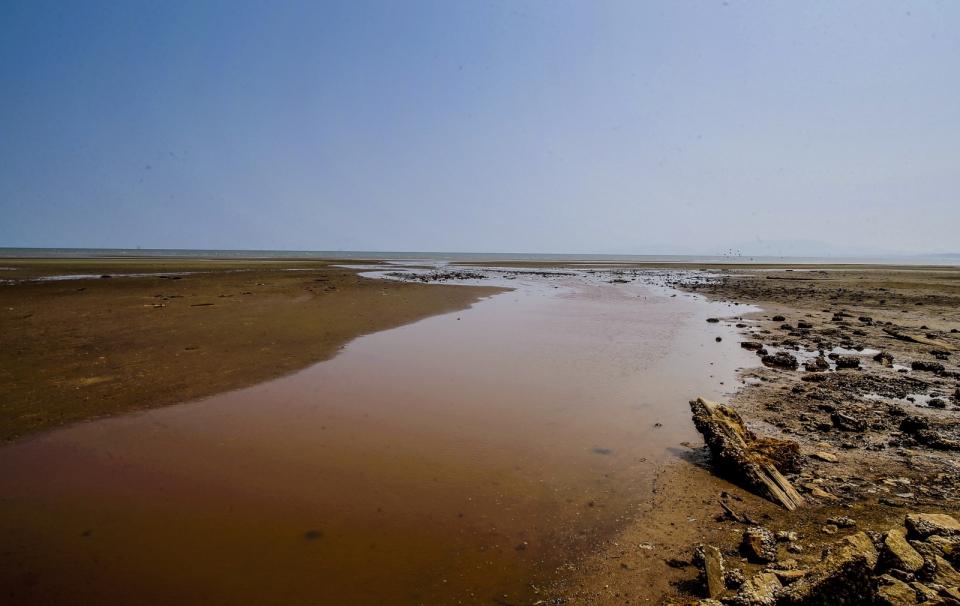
{"type": "Point", "coordinates": [467, 458]}
{"type": "Point", "coordinates": [161, 332]}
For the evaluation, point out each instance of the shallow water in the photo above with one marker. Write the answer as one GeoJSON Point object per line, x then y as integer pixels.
{"type": "Point", "coordinates": [463, 458]}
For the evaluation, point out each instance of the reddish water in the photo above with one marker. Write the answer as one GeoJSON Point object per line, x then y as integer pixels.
{"type": "Point", "coordinates": [455, 460]}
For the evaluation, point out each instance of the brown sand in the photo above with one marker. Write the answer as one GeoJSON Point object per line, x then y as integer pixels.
{"type": "Point", "coordinates": [84, 348]}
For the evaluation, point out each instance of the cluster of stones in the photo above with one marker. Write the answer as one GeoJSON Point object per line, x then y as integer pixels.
{"type": "Point", "coordinates": [907, 565]}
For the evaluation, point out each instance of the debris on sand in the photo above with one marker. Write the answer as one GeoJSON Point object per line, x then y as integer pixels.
{"type": "Point", "coordinates": [757, 461]}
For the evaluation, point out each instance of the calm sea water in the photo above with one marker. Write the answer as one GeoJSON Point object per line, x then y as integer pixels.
{"type": "Point", "coordinates": [107, 253]}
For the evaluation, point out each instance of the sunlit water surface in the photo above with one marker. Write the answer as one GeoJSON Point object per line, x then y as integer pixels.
{"type": "Point", "coordinates": [463, 458]}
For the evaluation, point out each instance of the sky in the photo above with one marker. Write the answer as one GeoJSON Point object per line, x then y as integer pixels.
{"type": "Point", "coordinates": [560, 126]}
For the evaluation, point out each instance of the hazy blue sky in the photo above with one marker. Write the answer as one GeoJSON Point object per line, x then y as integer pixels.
{"type": "Point", "coordinates": [549, 126]}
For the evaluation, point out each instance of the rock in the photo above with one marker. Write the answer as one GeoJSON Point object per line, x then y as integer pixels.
{"type": "Point", "coordinates": [913, 424]}
{"type": "Point", "coordinates": [751, 345]}
{"type": "Point", "coordinates": [760, 462]}
{"type": "Point", "coordinates": [848, 362]}
{"type": "Point", "coordinates": [787, 536]}
{"type": "Point", "coordinates": [709, 602]}
{"type": "Point", "coordinates": [780, 360]}
{"type": "Point", "coordinates": [804, 324]}
{"type": "Point", "coordinates": [830, 529]}
{"type": "Point", "coordinates": [884, 358]}
{"type": "Point", "coordinates": [786, 327]}
{"type": "Point", "coordinates": [713, 320]}
{"type": "Point", "coordinates": [733, 578]}
{"type": "Point", "coordinates": [945, 575]}
{"type": "Point", "coordinates": [719, 339]}
{"type": "Point", "coordinates": [924, 593]}
{"type": "Point", "coordinates": [843, 522]}
{"type": "Point", "coordinates": [847, 423]}
{"type": "Point", "coordinates": [795, 548]}
{"type": "Point", "coordinates": [710, 563]}
{"type": "Point", "coordinates": [892, 592]}
{"type": "Point", "coordinates": [759, 544]}
{"type": "Point", "coordinates": [898, 554]}
{"type": "Point", "coordinates": [949, 547]}
{"type": "Point", "coordinates": [927, 366]}
{"type": "Point", "coordinates": [779, 319]}
{"type": "Point", "coordinates": [819, 493]}
{"type": "Point", "coordinates": [761, 590]}
{"type": "Point", "coordinates": [789, 576]}
{"type": "Point", "coordinates": [936, 403]}
{"type": "Point", "coordinates": [866, 319]}
{"type": "Point", "coordinates": [924, 525]}
{"type": "Point", "coordinates": [826, 456]}
{"type": "Point", "coordinates": [842, 577]}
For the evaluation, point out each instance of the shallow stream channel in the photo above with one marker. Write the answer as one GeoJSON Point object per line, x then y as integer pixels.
{"type": "Point", "coordinates": [464, 459]}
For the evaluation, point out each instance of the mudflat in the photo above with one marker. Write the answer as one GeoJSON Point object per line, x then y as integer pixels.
{"type": "Point", "coordinates": [152, 333]}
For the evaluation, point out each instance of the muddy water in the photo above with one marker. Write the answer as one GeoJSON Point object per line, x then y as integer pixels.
{"type": "Point", "coordinates": [458, 460]}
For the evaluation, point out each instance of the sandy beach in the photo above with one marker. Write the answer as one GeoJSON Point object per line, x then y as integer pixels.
{"type": "Point", "coordinates": [94, 347]}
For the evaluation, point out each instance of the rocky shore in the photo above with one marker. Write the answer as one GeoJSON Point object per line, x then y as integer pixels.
{"type": "Point", "coordinates": [859, 371]}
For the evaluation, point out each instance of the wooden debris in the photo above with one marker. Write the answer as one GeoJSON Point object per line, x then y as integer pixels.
{"type": "Point", "coordinates": [758, 461]}
{"type": "Point", "coordinates": [904, 336]}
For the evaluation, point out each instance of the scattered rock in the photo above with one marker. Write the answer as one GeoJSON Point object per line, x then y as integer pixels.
{"type": "Point", "coordinates": [734, 578]}
{"type": "Point", "coordinates": [785, 536]}
{"type": "Point", "coordinates": [847, 423]}
{"type": "Point", "coordinates": [779, 319]}
{"type": "Point", "coordinates": [945, 574]}
{"type": "Point", "coordinates": [713, 320]}
{"type": "Point", "coordinates": [924, 525]}
{"type": "Point", "coordinates": [826, 456]}
{"type": "Point", "coordinates": [751, 345]}
{"type": "Point", "coordinates": [842, 577]}
{"type": "Point", "coordinates": [819, 493]}
{"type": "Point", "coordinates": [780, 360]}
{"type": "Point", "coordinates": [884, 358]}
{"type": "Point", "coordinates": [848, 362]}
{"type": "Point", "coordinates": [893, 592]}
{"type": "Point", "coordinates": [927, 366]}
{"type": "Point", "coordinates": [897, 553]}
{"type": "Point", "coordinates": [710, 563]}
{"type": "Point", "coordinates": [761, 590]}
{"type": "Point", "coordinates": [843, 522]}
{"type": "Point", "coordinates": [759, 544]}
{"type": "Point", "coordinates": [830, 529]}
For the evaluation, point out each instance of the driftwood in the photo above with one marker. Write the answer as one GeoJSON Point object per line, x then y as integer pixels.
{"type": "Point", "coordinates": [905, 336]}
{"type": "Point", "coordinates": [758, 461]}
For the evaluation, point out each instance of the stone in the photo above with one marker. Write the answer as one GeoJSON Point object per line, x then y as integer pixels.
{"type": "Point", "coordinates": [710, 562]}
{"type": "Point", "coordinates": [924, 525]}
{"type": "Point", "coordinates": [826, 456]}
{"type": "Point", "coordinates": [709, 602]}
{"type": "Point", "coordinates": [733, 578]}
{"type": "Point", "coordinates": [819, 493]}
{"type": "Point", "coordinates": [787, 536]}
{"type": "Point", "coordinates": [830, 529]}
{"type": "Point", "coordinates": [789, 576]}
{"type": "Point", "coordinates": [949, 547]}
{"type": "Point", "coordinates": [945, 575]}
{"type": "Point", "coordinates": [892, 592]}
{"type": "Point", "coordinates": [924, 593]}
{"type": "Point", "coordinates": [713, 320]}
{"type": "Point", "coordinates": [848, 362]}
{"type": "Point", "coordinates": [751, 345]}
{"type": "Point", "coordinates": [843, 522]}
{"type": "Point", "coordinates": [759, 544]}
{"type": "Point", "coordinates": [898, 554]}
{"type": "Point", "coordinates": [927, 366]}
{"type": "Point", "coordinates": [847, 423]}
{"type": "Point", "coordinates": [779, 319]}
{"type": "Point", "coordinates": [761, 590]}
{"type": "Point", "coordinates": [780, 360]}
{"type": "Point", "coordinates": [842, 577]}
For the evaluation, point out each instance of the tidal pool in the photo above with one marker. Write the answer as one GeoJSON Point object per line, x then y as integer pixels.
{"type": "Point", "coordinates": [464, 459]}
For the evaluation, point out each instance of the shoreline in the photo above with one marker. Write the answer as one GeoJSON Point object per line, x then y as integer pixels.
{"type": "Point", "coordinates": [651, 560]}
{"type": "Point", "coordinates": [181, 330]}
{"type": "Point", "coordinates": [880, 473]}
